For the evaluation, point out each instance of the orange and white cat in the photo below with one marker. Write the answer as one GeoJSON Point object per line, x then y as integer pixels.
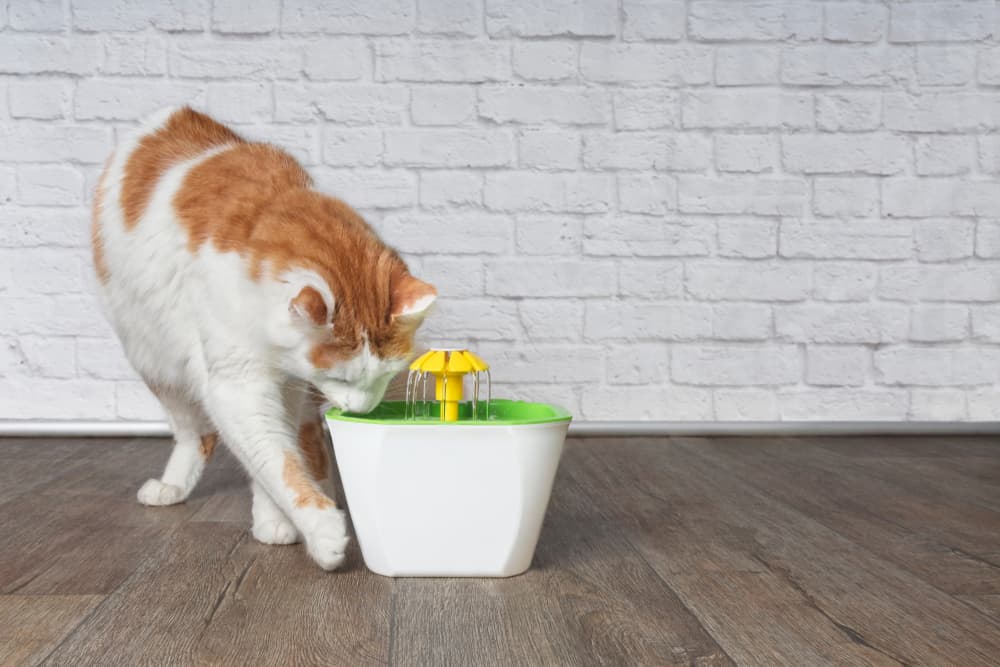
{"type": "Point", "coordinates": [238, 291]}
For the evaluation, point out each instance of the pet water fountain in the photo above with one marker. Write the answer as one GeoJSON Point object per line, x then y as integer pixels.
{"type": "Point", "coordinates": [442, 487]}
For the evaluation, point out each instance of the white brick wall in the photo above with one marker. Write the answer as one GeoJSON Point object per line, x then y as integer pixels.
{"type": "Point", "coordinates": [667, 209]}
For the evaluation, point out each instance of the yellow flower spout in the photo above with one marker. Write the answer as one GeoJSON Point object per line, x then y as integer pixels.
{"type": "Point", "coordinates": [449, 367]}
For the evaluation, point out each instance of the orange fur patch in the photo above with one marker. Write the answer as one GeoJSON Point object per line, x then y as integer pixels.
{"type": "Point", "coordinates": [184, 135]}
{"type": "Point", "coordinates": [312, 444]}
{"type": "Point", "coordinates": [310, 302]}
{"type": "Point", "coordinates": [306, 492]}
{"type": "Point", "coordinates": [208, 443]}
{"type": "Point", "coordinates": [96, 240]}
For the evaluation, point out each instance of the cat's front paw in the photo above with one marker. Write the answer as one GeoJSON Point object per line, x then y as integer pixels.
{"type": "Point", "coordinates": [279, 531]}
{"type": "Point", "coordinates": [156, 493]}
{"type": "Point", "coordinates": [327, 545]}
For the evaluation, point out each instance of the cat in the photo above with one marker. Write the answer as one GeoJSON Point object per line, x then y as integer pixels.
{"type": "Point", "coordinates": [245, 298]}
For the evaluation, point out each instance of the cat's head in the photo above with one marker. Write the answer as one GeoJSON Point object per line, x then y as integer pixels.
{"type": "Point", "coordinates": [351, 338]}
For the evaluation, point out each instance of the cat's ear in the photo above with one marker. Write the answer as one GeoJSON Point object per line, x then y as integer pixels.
{"type": "Point", "coordinates": [411, 298]}
{"type": "Point", "coordinates": [309, 306]}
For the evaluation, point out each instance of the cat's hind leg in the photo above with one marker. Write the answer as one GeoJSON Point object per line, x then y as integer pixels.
{"type": "Point", "coordinates": [194, 441]}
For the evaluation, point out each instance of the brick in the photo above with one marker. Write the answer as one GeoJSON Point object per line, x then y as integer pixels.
{"type": "Point", "coordinates": [939, 197]}
{"type": "Point", "coordinates": [848, 111]}
{"type": "Point", "coordinates": [550, 278]}
{"type": "Point", "coordinates": [989, 154]}
{"type": "Point", "coordinates": [302, 142]}
{"type": "Point", "coordinates": [48, 357]}
{"type": "Point", "coordinates": [546, 18]}
{"type": "Point", "coordinates": [55, 315]}
{"type": "Point", "coordinates": [365, 188]}
{"type": "Point", "coordinates": [245, 16]}
{"type": "Point", "coordinates": [988, 239]}
{"type": "Point", "coordinates": [449, 17]}
{"type": "Point", "coordinates": [848, 404]}
{"type": "Point", "coordinates": [750, 239]}
{"type": "Point", "coordinates": [342, 104]}
{"type": "Point", "coordinates": [741, 321]}
{"type": "Point", "coordinates": [752, 153]}
{"type": "Point", "coordinates": [939, 283]}
{"type": "Point", "coordinates": [945, 155]}
{"type": "Point", "coordinates": [876, 154]}
{"type": "Point", "coordinates": [661, 64]}
{"type": "Point", "coordinates": [546, 363]}
{"type": "Point", "coordinates": [646, 237]}
{"type": "Point", "coordinates": [49, 185]}
{"type": "Point", "coordinates": [534, 105]}
{"type": "Point", "coordinates": [344, 148]}
{"type": "Point", "coordinates": [465, 234]}
{"type": "Point", "coordinates": [653, 19]}
{"type": "Point", "coordinates": [240, 102]}
{"type": "Point", "coordinates": [37, 16]}
{"type": "Point", "coordinates": [684, 403]}
{"type": "Point", "coordinates": [741, 194]}
{"type": "Point", "coordinates": [44, 270]}
{"type": "Point", "coordinates": [442, 105]}
{"type": "Point", "coordinates": [449, 148]}
{"type": "Point", "coordinates": [450, 188]}
{"type": "Point", "coordinates": [12, 361]}
{"type": "Point", "coordinates": [126, 15]}
{"type": "Point", "coordinates": [845, 197]}
{"type": "Point", "coordinates": [943, 240]}
{"type": "Point", "coordinates": [745, 405]}
{"type": "Point", "coordinates": [846, 240]}
{"type": "Point", "coordinates": [646, 109]}
{"type": "Point", "coordinates": [837, 365]}
{"type": "Point", "coordinates": [735, 365]}
{"type": "Point", "coordinates": [8, 188]}
{"type": "Point", "coordinates": [336, 59]}
{"type": "Point", "coordinates": [545, 61]}
{"type": "Point", "coordinates": [645, 193]}
{"type": "Point", "coordinates": [986, 323]}
{"type": "Point", "coordinates": [56, 227]}
{"type": "Point", "coordinates": [989, 66]}
{"type": "Point", "coordinates": [134, 55]}
{"type": "Point", "coordinates": [134, 401]}
{"type": "Point", "coordinates": [940, 21]}
{"type": "Point", "coordinates": [854, 22]}
{"type": "Point", "coordinates": [76, 398]}
{"type": "Point", "coordinates": [390, 17]}
{"type": "Point", "coordinates": [651, 279]}
{"type": "Point", "coordinates": [549, 149]}
{"type": "Point", "coordinates": [747, 281]}
{"type": "Point", "coordinates": [551, 319]}
{"type": "Point", "coordinates": [843, 282]}
{"type": "Point", "coordinates": [937, 366]}
{"type": "Point", "coordinates": [39, 99]}
{"type": "Point", "coordinates": [103, 358]}
{"type": "Point", "coordinates": [245, 59]}
{"type": "Point", "coordinates": [470, 62]}
{"type": "Point", "coordinates": [839, 65]}
{"type": "Point", "coordinates": [657, 151]}
{"type": "Point", "coordinates": [476, 318]}
{"type": "Point", "coordinates": [131, 100]}
{"type": "Point", "coordinates": [937, 405]}
{"type": "Point", "coordinates": [746, 66]}
{"type": "Point", "coordinates": [646, 320]}
{"type": "Point", "coordinates": [747, 109]}
{"type": "Point", "coordinates": [36, 54]}
{"type": "Point", "coordinates": [549, 236]}
{"type": "Point", "coordinates": [941, 112]}
{"type": "Point", "coordinates": [639, 364]}
{"type": "Point", "coordinates": [984, 404]}
{"type": "Point", "coordinates": [945, 65]}
{"type": "Point", "coordinates": [755, 21]}
{"type": "Point", "coordinates": [939, 323]}
{"type": "Point", "coordinates": [841, 323]}
{"type": "Point", "coordinates": [455, 277]}
{"type": "Point", "coordinates": [526, 191]}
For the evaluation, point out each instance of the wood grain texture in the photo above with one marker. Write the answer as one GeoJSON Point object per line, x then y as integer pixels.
{"type": "Point", "coordinates": [685, 551]}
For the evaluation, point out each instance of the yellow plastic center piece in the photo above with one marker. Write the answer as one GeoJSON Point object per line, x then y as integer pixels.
{"type": "Point", "coordinates": [449, 367]}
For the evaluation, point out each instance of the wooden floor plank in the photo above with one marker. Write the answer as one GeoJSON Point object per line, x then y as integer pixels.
{"type": "Point", "coordinates": [31, 626]}
{"type": "Point", "coordinates": [860, 593]}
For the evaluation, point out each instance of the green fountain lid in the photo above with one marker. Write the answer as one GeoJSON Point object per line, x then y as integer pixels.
{"type": "Point", "coordinates": [502, 412]}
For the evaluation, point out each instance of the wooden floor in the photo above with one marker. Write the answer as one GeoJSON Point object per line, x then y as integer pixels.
{"type": "Point", "coordinates": [687, 551]}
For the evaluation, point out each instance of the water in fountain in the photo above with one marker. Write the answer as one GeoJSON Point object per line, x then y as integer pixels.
{"type": "Point", "coordinates": [418, 407]}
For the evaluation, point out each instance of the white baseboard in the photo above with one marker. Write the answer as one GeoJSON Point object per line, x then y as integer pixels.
{"type": "Point", "coordinates": [584, 429]}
